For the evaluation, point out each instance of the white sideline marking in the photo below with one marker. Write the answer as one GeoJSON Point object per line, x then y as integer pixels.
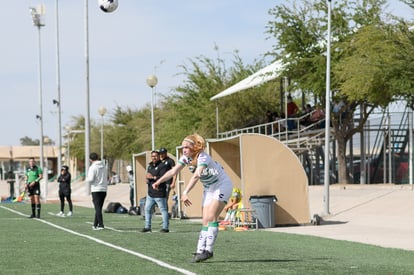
{"type": "Point", "coordinates": [158, 262]}
{"type": "Point", "coordinates": [113, 229]}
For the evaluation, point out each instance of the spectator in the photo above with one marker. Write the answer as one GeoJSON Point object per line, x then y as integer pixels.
{"type": "Point", "coordinates": [174, 209]}
{"type": "Point", "coordinates": [307, 111]}
{"type": "Point", "coordinates": [292, 110]}
{"type": "Point", "coordinates": [65, 191]}
{"type": "Point", "coordinates": [114, 178]}
{"type": "Point", "coordinates": [231, 208]}
{"type": "Point", "coordinates": [131, 185]}
{"type": "Point", "coordinates": [156, 170]}
{"type": "Point", "coordinates": [98, 182]}
{"type": "Point", "coordinates": [317, 115]}
{"type": "Point", "coordinates": [169, 163]}
{"type": "Point", "coordinates": [268, 120]}
{"type": "Point", "coordinates": [278, 126]}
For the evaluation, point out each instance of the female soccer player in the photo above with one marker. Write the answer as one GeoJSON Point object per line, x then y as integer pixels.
{"type": "Point", "coordinates": [217, 189]}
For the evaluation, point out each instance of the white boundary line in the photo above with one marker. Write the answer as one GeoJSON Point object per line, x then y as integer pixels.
{"type": "Point", "coordinates": [142, 256]}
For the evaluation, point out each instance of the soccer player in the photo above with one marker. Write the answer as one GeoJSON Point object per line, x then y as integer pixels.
{"type": "Point", "coordinates": [217, 190]}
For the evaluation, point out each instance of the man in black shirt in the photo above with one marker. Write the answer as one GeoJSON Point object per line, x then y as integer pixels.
{"type": "Point", "coordinates": [169, 163]}
{"type": "Point", "coordinates": [155, 170]}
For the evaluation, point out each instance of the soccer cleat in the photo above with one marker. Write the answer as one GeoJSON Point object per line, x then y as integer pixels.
{"type": "Point", "coordinates": [200, 257]}
{"type": "Point", "coordinates": [32, 216]}
{"type": "Point", "coordinates": [164, 230]}
{"type": "Point", "coordinates": [38, 216]}
{"type": "Point", "coordinates": [69, 214]}
{"type": "Point", "coordinates": [144, 230]}
{"type": "Point", "coordinates": [60, 214]}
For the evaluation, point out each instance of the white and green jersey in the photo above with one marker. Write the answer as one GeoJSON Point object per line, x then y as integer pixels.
{"type": "Point", "coordinates": [213, 172]}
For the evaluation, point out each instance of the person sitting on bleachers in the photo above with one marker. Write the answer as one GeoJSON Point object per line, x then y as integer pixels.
{"type": "Point", "coordinates": [234, 203]}
{"type": "Point", "coordinates": [317, 115]}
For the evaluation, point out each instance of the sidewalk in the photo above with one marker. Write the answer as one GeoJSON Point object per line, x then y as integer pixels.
{"type": "Point", "coordinates": [380, 214]}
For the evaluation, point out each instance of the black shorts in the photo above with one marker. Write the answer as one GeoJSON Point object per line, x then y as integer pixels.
{"type": "Point", "coordinates": [34, 190]}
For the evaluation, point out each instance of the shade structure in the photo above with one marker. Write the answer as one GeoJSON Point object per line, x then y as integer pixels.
{"type": "Point", "coordinates": [264, 75]}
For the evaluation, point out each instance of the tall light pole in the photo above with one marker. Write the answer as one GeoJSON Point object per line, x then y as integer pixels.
{"type": "Point", "coordinates": [46, 142]}
{"type": "Point", "coordinates": [57, 102]}
{"type": "Point", "coordinates": [67, 157]}
{"type": "Point", "coordinates": [327, 112]}
{"type": "Point", "coordinates": [152, 81]}
{"type": "Point", "coordinates": [37, 17]}
{"type": "Point", "coordinates": [87, 113]}
{"type": "Point", "coordinates": [102, 112]}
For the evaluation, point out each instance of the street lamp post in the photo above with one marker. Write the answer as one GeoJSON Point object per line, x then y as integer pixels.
{"type": "Point", "coordinates": [87, 113]}
{"type": "Point", "coordinates": [152, 81]}
{"type": "Point", "coordinates": [102, 112]}
{"type": "Point", "coordinates": [37, 17]}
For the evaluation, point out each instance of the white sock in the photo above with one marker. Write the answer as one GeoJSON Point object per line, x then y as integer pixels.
{"type": "Point", "coordinates": [212, 233]}
{"type": "Point", "coordinates": [201, 245]}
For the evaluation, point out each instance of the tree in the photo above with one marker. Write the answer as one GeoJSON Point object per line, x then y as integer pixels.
{"type": "Point", "coordinates": [364, 53]}
{"type": "Point", "coordinates": [189, 108]}
{"type": "Point", "coordinates": [27, 141]}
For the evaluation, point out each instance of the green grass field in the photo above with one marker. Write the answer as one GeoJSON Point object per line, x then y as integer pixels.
{"type": "Point", "coordinates": [56, 245]}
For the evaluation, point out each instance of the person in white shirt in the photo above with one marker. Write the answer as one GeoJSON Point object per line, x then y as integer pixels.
{"type": "Point", "coordinates": [98, 181]}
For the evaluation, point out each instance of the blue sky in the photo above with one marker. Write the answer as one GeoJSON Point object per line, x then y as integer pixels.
{"type": "Point", "coordinates": [142, 37]}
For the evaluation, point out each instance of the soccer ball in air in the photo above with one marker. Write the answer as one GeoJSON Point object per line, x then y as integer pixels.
{"type": "Point", "coordinates": [108, 5]}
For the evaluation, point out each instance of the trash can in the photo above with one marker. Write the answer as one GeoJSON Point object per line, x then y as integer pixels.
{"type": "Point", "coordinates": [265, 210]}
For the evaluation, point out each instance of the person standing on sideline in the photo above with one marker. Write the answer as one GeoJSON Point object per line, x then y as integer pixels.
{"type": "Point", "coordinates": [65, 191]}
{"type": "Point", "coordinates": [33, 176]}
{"type": "Point", "coordinates": [217, 190]}
{"type": "Point", "coordinates": [169, 163]}
{"type": "Point", "coordinates": [155, 170]}
{"type": "Point", "coordinates": [131, 185]}
{"type": "Point", "coordinates": [98, 181]}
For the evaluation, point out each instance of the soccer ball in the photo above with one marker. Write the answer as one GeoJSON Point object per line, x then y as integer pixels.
{"type": "Point", "coordinates": [108, 5]}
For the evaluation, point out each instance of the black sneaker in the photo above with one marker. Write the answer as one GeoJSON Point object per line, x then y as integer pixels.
{"type": "Point", "coordinates": [144, 230]}
{"type": "Point", "coordinates": [200, 257]}
{"type": "Point", "coordinates": [164, 230]}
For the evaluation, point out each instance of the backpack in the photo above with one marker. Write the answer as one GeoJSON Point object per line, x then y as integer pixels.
{"type": "Point", "coordinates": [112, 207]}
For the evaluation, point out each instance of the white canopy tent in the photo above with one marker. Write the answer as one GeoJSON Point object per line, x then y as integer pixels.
{"type": "Point", "coordinates": [268, 73]}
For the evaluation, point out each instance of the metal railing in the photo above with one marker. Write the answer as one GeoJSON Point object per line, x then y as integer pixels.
{"type": "Point", "coordinates": [301, 138]}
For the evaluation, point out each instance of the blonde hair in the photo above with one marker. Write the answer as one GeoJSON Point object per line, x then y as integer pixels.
{"type": "Point", "coordinates": [199, 144]}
